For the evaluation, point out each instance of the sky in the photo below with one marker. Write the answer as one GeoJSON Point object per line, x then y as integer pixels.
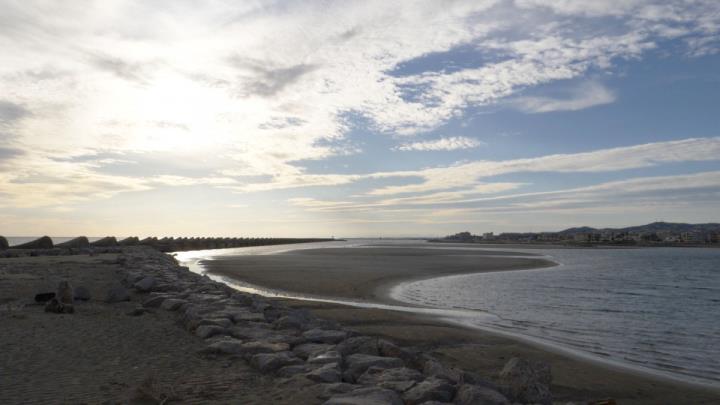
{"type": "Point", "coordinates": [356, 118]}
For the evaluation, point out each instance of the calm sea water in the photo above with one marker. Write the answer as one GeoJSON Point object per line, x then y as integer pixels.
{"type": "Point", "coordinates": [657, 308]}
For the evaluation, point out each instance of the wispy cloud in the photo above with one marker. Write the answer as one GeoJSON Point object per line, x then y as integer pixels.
{"type": "Point", "coordinates": [448, 143]}
{"type": "Point", "coordinates": [584, 96]}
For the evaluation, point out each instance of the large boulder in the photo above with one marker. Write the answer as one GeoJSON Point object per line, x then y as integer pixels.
{"type": "Point", "coordinates": [42, 243]}
{"type": "Point", "coordinates": [268, 362]}
{"type": "Point", "coordinates": [108, 241]}
{"type": "Point", "coordinates": [433, 368]}
{"type": "Point", "coordinates": [208, 331]}
{"type": "Point", "coordinates": [359, 344]}
{"type": "Point", "coordinates": [474, 394]}
{"type": "Point", "coordinates": [146, 284]}
{"type": "Point", "coordinates": [366, 396]}
{"type": "Point", "coordinates": [4, 243]}
{"type": "Point", "coordinates": [225, 346]}
{"type": "Point", "coordinates": [328, 373]}
{"type": "Point", "coordinates": [80, 242]}
{"type": "Point", "coordinates": [432, 389]}
{"type": "Point", "coordinates": [527, 381]}
{"type": "Point", "coordinates": [324, 336]}
{"type": "Point", "coordinates": [307, 350]}
{"type": "Point", "coordinates": [397, 379]}
{"type": "Point", "coordinates": [357, 364]}
{"type": "Point", "coordinates": [330, 356]}
{"type": "Point", "coordinates": [131, 241]}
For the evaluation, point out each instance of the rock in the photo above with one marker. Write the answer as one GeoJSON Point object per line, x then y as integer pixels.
{"type": "Point", "coordinates": [260, 333]}
{"type": "Point", "coordinates": [328, 373]}
{"type": "Point", "coordinates": [145, 284]}
{"type": "Point", "coordinates": [43, 243]}
{"type": "Point", "coordinates": [44, 297]}
{"type": "Point", "coordinates": [366, 396]}
{"type": "Point", "coordinates": [359, 344]}
{"type": "Point", "coordinates": [324, 336]}
{"type": "Point", "coordinates": [290, 371]}
{"type": "Point", "coordinates": [433, 368]}
{"type": "Point", "coordinates": [268, 362]}
{"type": "Point", "coordinates": [397, 379]}
{"type": "Point", "coordinates": [332, 389]}
{"type": "Point", "coordinates": [4, 243]}
{"type": "Point", "coordinates": [527, 382]}
{"type": "Point", "coordinates": [306, 350]}
{"type": "Point", "coordinates": [222, 322]}
{"type": "Point", "coordinates": [473, 394]}
{"type": "Point", "coordinates": [131, 241]}
{"type": "Point", "coordinates": [242, 316]}
{"type": "Point", "coordinates": [81, 293]}
{"type": "Point", "coordinates": [117, 294]}
{"type": "Point", "coordinates": [432, 389]}
{"type": "Point", "coordinates": [389, 349]}
{"type": "Point", "coordinates": [206, 331]}
{"type": "Point", "coordinates": [172, 304]}
{"type": "Point", "coordinates": [357, 364]}
{"type": "Point", "coordinates": [225, 346]}
{"type": "Point", "coordinates": [58, 307]}
{"type": "Point", "coordinates": [77, 243]}
{"type": "Point", "coordinates": [154, 302]}
{"type": "Point", "coordinates": [257, 347]}
{"type": "Point", "coordinates": [108, 241]}
{"type": "Point", "coordinates": [64, 293]}
{"type": "Point", "coordinates": [330, 356]}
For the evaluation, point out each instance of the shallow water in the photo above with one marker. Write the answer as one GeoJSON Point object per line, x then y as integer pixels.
{"type": "Point", "coordinates": [658, 308]}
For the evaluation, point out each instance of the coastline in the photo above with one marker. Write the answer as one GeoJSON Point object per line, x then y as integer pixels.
{"type": "Point", "coordinates": [569, 363]}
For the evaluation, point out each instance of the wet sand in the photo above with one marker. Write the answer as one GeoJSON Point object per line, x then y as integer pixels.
{"type": "Point", "coordinates": [368, 273]}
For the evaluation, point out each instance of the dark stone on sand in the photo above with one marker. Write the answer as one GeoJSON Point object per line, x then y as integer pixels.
{"type": "Point", "coordinates": [42, 243]}
{"type": "Point", "coordinates": [366, 396]}
{"type": "Point", "coordinates": [145, 284]}
{"type": "Point", "coordinates": [473, 394]}
{"type": "Point", "coordinates": [527, 381]}
{"type": "Point", "coordinates": [117, 294]}
{"type": "Point", "coordinates": [81, 293]}
{"type": "Point", "coordinates": [77, 243]}
{"type": "Point", "coordinates": [44, 297]}
{"type": "Point", "coordinates": [4, 243]}
{"type": "Point", "coordinates": [108, 241]}
{"type": "Point", "coordinates": [432, 389]}
{"type": "Point", "coordinates": [58, 307]}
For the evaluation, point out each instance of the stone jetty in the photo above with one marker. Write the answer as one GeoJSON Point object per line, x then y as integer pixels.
{"type": "Point", "coordinates": [286, 343]}
{"type": "Point", "coordinates": [110, 244]}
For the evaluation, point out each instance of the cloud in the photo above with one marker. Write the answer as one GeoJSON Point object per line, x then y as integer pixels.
{"type": "Point", "coordinates": [449, 143]}
{"type": "Point", "coordinates": [261, 80]}
{"type": "Point", "coordinates": [589, 94]}
{"type": "Point", "coordinates": [11, 113]}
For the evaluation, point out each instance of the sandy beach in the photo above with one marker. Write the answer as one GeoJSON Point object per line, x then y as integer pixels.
{"type": "Point", "coordinates": [368, 274]}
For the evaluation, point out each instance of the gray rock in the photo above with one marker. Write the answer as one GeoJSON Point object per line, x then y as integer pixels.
{"type": "Point", "coordinates": [527, 382]}
{"type": "Point", "coordinates": [117, 294]}
{"type": "Point", "coordinates": [359, 344]}
{"type": "Point", "coordinates": [293, 320]}
{"type": "Point", "coordinates": [256, 347]}
{"type": "Point", "coordinates": [330, 356]}
{"type": "Point", "coordinates": [138, 311]}
{"type": "Point", "coordinates": [222, 322]}
{"type": "Point", "coordinates": [473, 395]}
{"type": "Point", "coordinates": [225, 346]}
{"type": "Point", "coordinates": [172, 304]}
{"type": "Point", "coordinates": [324, 336]}
{"type": "Point", "coordinates": [332, 389]}
{"type": "Point", "coordinates": [64, 293]}
{"type": "Point", "coordinates": [290, 371]}
{"type": "Point", "coordinates": [241, 316]}
{"type": "Point", "coordinates": [145, 284]}
{"type": "Point", "coordinates": [307, 350]}
{"type": "Point", "coordinates": [328, 373]}
{"type": "Point", "coordinates": [207, 331]}
{"type": "Point", "coordinates": [81, 293]}
{"type": "Point", "coordinates": [259, 333]}
{"type": "Point", "coordinates": [357, 364]}
{"type": "Point", "coordinates": [398, 379]}
{"type": "Point", "coordinates": [389, 349]}
{"type": "Point", "coordinates": [432, 389]}
{"type": "Point", "coordinates": [433, 368]}
{"type": "Point", "coordinates": [268, 362]}
{"type": "Point", "coordinates": [366, 396]}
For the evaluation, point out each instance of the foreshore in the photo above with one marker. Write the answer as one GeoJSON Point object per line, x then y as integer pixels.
{"type": "Point", "coordinates": [369, 273]}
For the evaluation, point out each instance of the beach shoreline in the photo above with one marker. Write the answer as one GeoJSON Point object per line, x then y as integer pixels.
{"type": "Point", "coordinates": [379, 289]}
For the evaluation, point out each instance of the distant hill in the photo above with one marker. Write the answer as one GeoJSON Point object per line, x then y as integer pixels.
{"type": "Point", "coordinates": [653, 227]}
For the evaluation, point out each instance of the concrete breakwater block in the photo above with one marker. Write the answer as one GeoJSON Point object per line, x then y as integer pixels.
{"type": "Point", "coordinates": [108, 241]}
{"type": "Point", "coordinates": [80, 242]}
{"type": "Point", "coordinates": [4, 243]}
{"type": "Point", "coordinates": [42, 243]}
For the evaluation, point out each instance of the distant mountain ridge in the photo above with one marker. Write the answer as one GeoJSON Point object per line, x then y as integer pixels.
{"type": "Point", "coordinates": [652, 227]}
